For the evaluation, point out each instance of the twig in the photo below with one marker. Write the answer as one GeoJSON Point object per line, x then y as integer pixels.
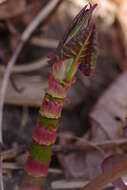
{"type": "Point", "coordinates": [11, 166]}
{"type": "Point", "coordinates": [5, 83]}
{"type": "Point", "coordinates": [64, 184]}
{"type": "Point", "coordinates": [1, 177]}
{"type": "Point", "coordinates": [90, 144]}
{"type": "Point", "coordinates": [116, 172]}
{"type": "Point", "coordinates": [106, 144]}
{"type": "Point", "coordinates": [2, 97]}
{"type": "Point", "coordinates": [27, 67]}
{"type": "Point", "coordinates": [42, 15]}
{"type": "Point", "coordinates": [16, 166]}
{"type": "Point", "coordinates": [83, 144]}
{"type": "Point", "coordinates": [55, 171]}
{"type": "Point", "coordinates": [12, 153]}
{"type": "Point", "coordinates": [39, 41]}
{"type": "Point", "coordinates": [44, 42]}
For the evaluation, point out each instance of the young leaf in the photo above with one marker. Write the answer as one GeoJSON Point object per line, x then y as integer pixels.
{"type": "Point", "coordinates": [79, 42]}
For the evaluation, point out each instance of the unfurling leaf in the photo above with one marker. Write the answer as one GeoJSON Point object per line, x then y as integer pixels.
{"type": "Point", "coordinates": [79, 42]}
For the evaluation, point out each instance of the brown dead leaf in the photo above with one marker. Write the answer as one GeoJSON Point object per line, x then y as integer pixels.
{"type": "Point", "coordinates": [86, 164]}
{"type": "Point", "coordinates": [122, 16]}
{"type": "Point", "coordinates": [12, 8]}
{"type": "Point", "coordinates": [107, 119]}
{"type": "Point", "coordinates": [73, 164]}
{"type": "Point", "coordinates": [111, 162]}
{"type": "Point", "coordinates": [83, 164]}
{"type": "Point", "coordinates": [110, 112]}
{"type": "Point", "coordinates": [2, 1]}
{"type": "Point", "coordinates": [118, 46]}
{"type": "Point", "coordinates": [93, 163]}
{"type": "Point", "coordinates": [31, 11]}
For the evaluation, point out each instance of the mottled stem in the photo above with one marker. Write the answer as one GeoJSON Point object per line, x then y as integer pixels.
{"type": "Point", "coordinates": [77, 48]}
{"type": "Point", "coordinates": [45, 132]}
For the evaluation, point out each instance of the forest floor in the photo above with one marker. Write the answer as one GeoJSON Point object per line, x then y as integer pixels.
{"type": "Point", "coordinates": [93, 123]}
